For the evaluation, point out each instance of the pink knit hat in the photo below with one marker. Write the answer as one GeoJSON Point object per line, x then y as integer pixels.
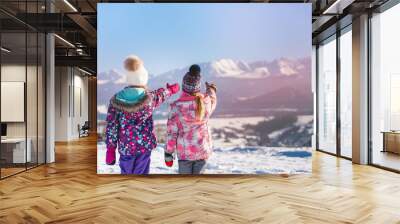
{"type": "Point", "coordinates": [191, 80]}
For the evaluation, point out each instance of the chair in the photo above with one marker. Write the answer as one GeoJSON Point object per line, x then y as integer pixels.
{"type": "Point", "coordinates": [84, 130]}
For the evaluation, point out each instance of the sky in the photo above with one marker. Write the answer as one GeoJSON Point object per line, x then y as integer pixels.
{"type": "Point", "coordinates": [170, 36]}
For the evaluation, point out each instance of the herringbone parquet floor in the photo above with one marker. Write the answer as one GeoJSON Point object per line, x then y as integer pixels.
{"type": "Point", "coordinates": [70, 191]}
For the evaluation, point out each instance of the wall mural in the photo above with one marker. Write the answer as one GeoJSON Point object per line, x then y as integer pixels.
{"type": "Point", "coordinates": [204, 89]}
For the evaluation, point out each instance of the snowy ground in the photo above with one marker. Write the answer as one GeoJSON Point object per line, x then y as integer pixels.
{"type": "Point", "coordinates": [232, 154]}
{"type": "Point", "coordinates": [234, 160]}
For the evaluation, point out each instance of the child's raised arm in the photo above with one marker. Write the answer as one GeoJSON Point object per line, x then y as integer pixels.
{"type": "Point", "coordinates": [211, 93]}
{"type": "Point", "coordinates": [162, 94]}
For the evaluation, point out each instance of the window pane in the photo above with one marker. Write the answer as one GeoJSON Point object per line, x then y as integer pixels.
{"type": "Point", "coordinates": [346, 94]}
{"type": "Point", "coordinates": [327, 96]}
{"type": "Point", "coordinates": [386, 89]}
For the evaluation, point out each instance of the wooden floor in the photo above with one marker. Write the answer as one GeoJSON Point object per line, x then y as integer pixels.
{"type": "Point", "coordinates": [5, 172]}
{"type": "Point", "coordinates": [387, 159]}
{"type": "Point", "coordinates": [70, 191]}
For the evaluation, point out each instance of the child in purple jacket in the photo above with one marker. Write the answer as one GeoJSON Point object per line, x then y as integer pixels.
{"type": "Point", "coordinates": [130, 120]}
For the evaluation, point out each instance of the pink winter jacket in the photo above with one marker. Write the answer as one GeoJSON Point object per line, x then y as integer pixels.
{"type": "Point", "coordinates": [186, 135]}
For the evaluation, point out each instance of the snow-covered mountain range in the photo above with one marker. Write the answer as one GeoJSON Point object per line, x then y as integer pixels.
{"type": "Point", "coordinates": [229, 68]}
{"type": "Point", "coordinates": [243, 87]}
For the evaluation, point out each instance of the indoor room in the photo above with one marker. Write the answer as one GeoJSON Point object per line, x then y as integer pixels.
{"type": "Point", "coordinates": [225, 111]}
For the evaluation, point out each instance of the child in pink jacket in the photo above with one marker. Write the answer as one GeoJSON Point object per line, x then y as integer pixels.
{"type": "Point", "coordinates": [187, 127]}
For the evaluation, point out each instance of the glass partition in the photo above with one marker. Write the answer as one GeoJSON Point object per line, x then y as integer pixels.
{"type": "Point", "coordinates": [23, 90]}
{"type": "Point", "coordinates": [14, 155]}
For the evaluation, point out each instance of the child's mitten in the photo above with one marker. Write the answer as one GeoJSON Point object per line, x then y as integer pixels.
{"type": "Point", "coordinates": [110, 156]}
{"type": "Point", "coordinates": [169, 159]}
{"type": "Point", "coordinates": [174, 88]}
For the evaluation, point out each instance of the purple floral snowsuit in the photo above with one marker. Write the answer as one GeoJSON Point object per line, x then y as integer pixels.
{"type": "Point", "coordinates": [130, 128]}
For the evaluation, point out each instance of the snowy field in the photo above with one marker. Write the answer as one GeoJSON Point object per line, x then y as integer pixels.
{"type": "Point", "coordinates": [232, 153]}
{"type": "Point", "coordinates": [236, 160]}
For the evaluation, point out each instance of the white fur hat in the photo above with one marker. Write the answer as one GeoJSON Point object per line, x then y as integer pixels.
{"type": "Point", "coordinates": [137, 74]}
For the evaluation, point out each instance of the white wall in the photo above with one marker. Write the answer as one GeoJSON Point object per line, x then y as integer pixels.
{"type": "Point", "coordinates": [79, 117]}
{"type": "Point", "coordinates": [16, 73]}
{"type": "Point", "coordinates": [70, 83]}
{"type": "Point", "coordinates": [62, 81]}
